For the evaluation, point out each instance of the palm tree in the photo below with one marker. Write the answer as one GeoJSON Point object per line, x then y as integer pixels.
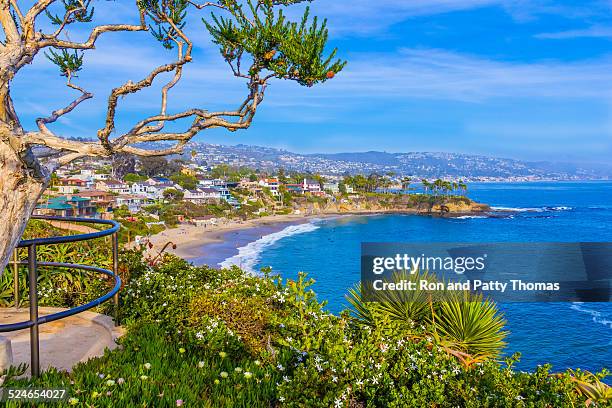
{"type": "Point", "coordinates": [406, 183]}
{"type": "Point", "coordinates": [426, 185]}
{"type": "Point", "coordinates": [463, 187]}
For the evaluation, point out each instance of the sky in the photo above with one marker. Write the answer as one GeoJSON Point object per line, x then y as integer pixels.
{"type": "Point", "coordinates": [524, 79]}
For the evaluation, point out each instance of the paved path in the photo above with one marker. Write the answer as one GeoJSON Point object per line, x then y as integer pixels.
{"type": "Point", "coordinates": [72, 227]}
{"type": "Point", "coordinates": [65, 342]}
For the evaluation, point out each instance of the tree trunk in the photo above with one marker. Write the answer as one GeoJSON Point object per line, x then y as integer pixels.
{"type": "Point", "coordinates": [19, 192]}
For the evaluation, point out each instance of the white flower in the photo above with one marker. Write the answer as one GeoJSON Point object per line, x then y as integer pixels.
{"type": "Point", "coordinates": [280, 367]}
{"type": "Point", "coordinates": [286, 379]}
{"type": "Point", "coordinates": [110, 383]}
{"type": "Point", "coordinates": [248, 374]}
{"type": "Point", "coordinates": [147, 366]}
{"type": "Point", "coordinates": [200, 364]}
{"type": "Point", "coordinates": [120, 380]}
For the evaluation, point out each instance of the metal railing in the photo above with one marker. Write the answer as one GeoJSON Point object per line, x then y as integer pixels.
{"type": "Point", "coordinates": [33, 264]}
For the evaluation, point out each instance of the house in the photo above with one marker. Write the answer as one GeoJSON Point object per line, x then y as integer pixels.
{"type": "Point", "coordinates": [101, 176]}
{"type": "Point", "coordinates": [202, 195]}
{"type": "Point", "coordinates": [295, 188]}
{"type": "Point", "coordinates": [271, 184]}
{"type": "Point", "coordinates": [63, 206]}
{"type": "Point", "coordinates": [311, 185]}
{"type": "Point", "coordinates": [249, 185]}
{"type": "Point", "coordinates": [203, 221]}
{"type": "Point", "coordinates": [333, 187]}
{"type": "Point", "coordinates": [113, 186]}
{"type": "Point", "coordinates": [151, 191]}
{"type": "Point", "coordinates": [160, 182]}
{"type": "Point", "coordinates": [72, 185]}
{"type": "Point", "coordinates": [101, 199]}
{"type": "Point", "coordinates": [133, 202]}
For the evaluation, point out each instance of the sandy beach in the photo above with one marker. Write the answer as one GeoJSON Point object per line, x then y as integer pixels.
{"type": "Point", "coordinates": [190, 239]}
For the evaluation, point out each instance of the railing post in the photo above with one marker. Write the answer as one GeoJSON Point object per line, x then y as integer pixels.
{"type": "Point", "coordinates": [33, 280]}
{"type": "Point", "coordinates": [16, 278]}
{"type": "Point", "coordinates": [115, 273]}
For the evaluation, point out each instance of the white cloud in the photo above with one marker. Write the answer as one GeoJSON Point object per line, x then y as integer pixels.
{"type": "Point", "coordinates": [590, 32]}
{"type": "Point", "coordinates": [440, 74]}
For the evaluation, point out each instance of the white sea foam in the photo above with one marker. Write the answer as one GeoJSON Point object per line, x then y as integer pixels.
{"type": "Point", "coordinates": [531, 209]}
{"type": "Point", "coordinates": [597, 316]}
{"type": "Point", "coordinates": [516, 209]}
{"type": "Point", "coordinates": [467, 217]}
{"type": "Point", "coordinates": [248, 255]}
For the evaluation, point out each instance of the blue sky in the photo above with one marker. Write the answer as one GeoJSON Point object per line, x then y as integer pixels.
{"type": "Point", "coordinates": [512, 78]}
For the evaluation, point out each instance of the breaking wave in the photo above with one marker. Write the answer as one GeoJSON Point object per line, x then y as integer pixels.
{"type": "Point", "coordinates": [248, 255]}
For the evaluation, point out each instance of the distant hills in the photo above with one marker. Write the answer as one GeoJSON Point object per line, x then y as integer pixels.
{"type": "Point", "coordinates": [416, 164]}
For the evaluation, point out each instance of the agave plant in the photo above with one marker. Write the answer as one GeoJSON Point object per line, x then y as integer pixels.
{"type": "Point", "coordinates": [592, 388]}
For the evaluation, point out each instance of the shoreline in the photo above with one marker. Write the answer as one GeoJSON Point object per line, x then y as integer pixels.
{"type": "Point", "coordinates": [191, 240]}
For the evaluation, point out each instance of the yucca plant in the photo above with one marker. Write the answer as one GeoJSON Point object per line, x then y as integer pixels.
{"type": "Point", "coordinates": [470, 324]}
{"type": "Point", "coordinates": [404, 308]}
{"type": "Point", "coordinates": [466, 325]}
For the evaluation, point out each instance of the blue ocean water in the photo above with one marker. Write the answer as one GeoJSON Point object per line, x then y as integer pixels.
{"type": "Point", "coordinates": [563, 334]}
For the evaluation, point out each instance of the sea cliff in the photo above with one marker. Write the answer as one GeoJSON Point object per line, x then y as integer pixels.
{"type": "Point", "coordinates": [408, 204]}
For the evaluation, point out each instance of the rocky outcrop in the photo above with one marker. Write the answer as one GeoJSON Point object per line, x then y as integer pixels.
{"type": "Point", "coordinates": [407, 204]}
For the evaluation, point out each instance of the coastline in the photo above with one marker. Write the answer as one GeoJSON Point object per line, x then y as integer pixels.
{"type": "Point", "coordinates": [192, 241]}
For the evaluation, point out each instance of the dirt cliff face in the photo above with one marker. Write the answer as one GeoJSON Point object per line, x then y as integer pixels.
{"type": "Point", "coordinates": [409, 204]}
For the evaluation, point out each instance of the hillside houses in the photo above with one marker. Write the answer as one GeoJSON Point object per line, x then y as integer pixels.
{"type": "Point", "coordinates": [63, 206]}
{"type": "Point", "coordinates": [71, 185]}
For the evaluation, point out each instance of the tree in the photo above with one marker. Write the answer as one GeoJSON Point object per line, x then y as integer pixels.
{"type": "Point", "coordinates": [255, 39]}
{"type": "Point", "coordinates": [406, 183]}
{"type": "Point", "coordinates": [122, 164]}
{"type": "Point", "coordinates": [153, 166]}
{"type": "Point", "coordinates": [172, 194]}
{"type": "Point", "coordinates": [185, 180]}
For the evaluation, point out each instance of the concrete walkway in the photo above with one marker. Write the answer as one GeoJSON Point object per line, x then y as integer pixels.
{"type": "Point", "coordinates": [65, 342]}
{"type": "Point", "coordinates": [84, 229]}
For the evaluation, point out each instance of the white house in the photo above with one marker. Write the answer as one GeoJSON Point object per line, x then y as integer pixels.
{"type": "Point", "coordinates": [311, 185]}
{"type": "Point", "coordinates": [151, 191]}
{"type": "Point", "coordinates": [133, 202]}
{"type": "Point", "coordinates": [271, 184]}
{"type": "Point", "coordinates": [333, 187]}
{"type": "Point", "coordinates": [201, 195]}
{"type": "Point", "coordinates": [113, 186]}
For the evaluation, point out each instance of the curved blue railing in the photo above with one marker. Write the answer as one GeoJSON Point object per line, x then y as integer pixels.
{"type": "Point", "coordinates": [33, 264]}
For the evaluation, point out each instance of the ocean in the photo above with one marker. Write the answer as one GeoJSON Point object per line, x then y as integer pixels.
{"type": "Point", "coordinates": [566, 335]}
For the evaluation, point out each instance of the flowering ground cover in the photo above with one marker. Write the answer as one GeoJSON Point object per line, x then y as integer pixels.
{"type": "Point", "coordinates": [202, 337]}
